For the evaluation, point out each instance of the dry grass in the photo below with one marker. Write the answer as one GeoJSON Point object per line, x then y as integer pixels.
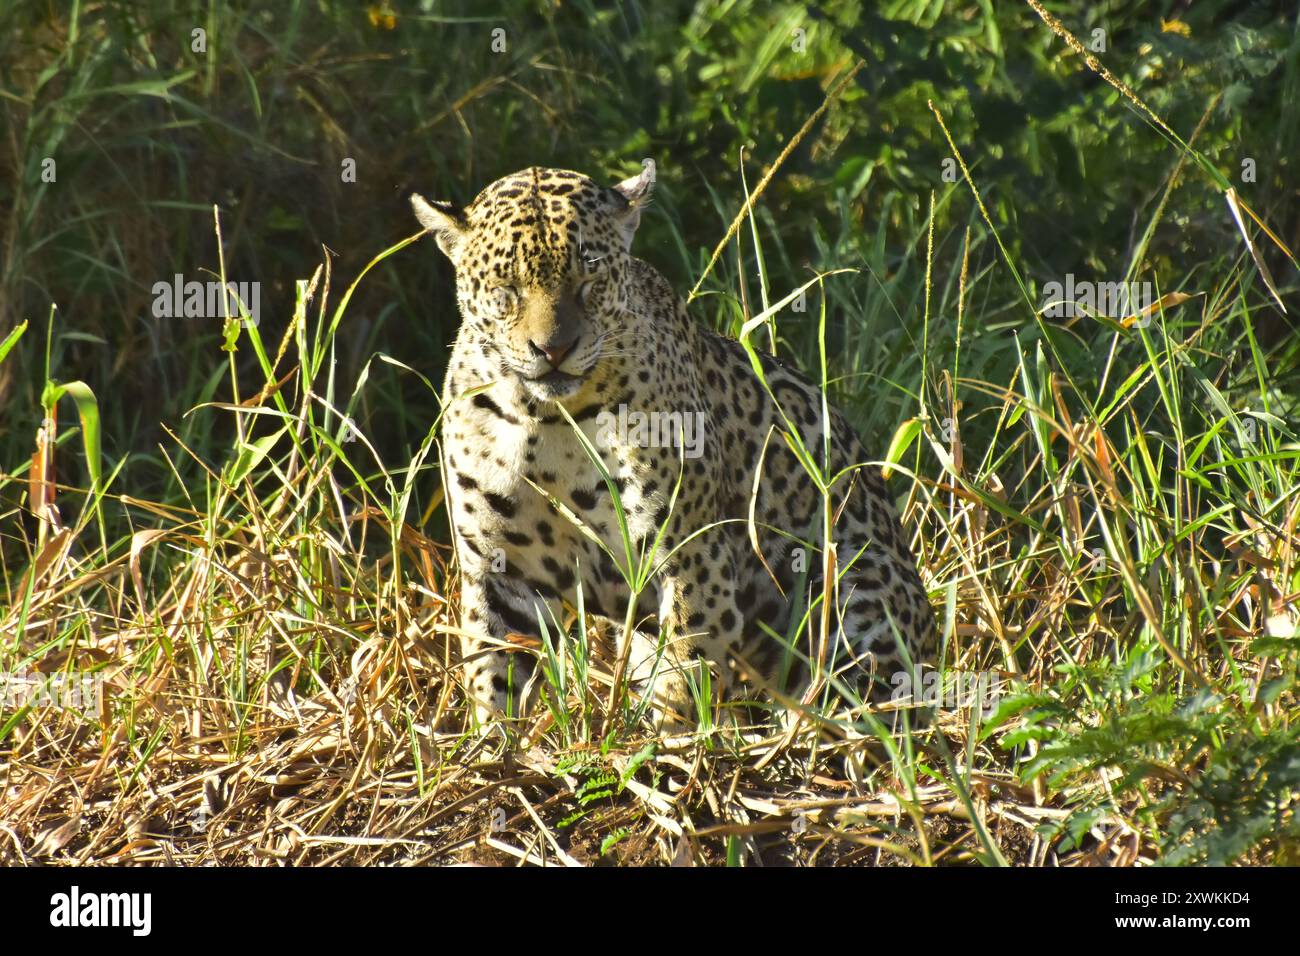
{"type": "Point", "coordinates": [373, 769]}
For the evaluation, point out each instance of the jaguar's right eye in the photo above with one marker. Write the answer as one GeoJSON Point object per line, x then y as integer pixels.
{"type": "Point", "coordinates": [501, 300]}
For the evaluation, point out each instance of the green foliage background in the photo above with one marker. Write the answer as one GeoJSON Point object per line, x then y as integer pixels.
{"type": "Point", "coordinates": [147, 134]}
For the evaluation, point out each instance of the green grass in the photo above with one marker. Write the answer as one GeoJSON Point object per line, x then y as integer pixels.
{"type": "Point", "coordinates": [248, 544]}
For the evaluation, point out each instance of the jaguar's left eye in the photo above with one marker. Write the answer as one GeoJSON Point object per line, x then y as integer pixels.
{"type": "Point", "coordinates": [585, 290]}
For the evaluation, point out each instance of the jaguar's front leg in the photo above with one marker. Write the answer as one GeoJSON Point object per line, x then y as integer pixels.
{"type": "Point", "coordinates": [498, 676]}
{"type": "Point", "coordinates": [658, 671]}
{"type": "Point", "coordinates": [699, 624]}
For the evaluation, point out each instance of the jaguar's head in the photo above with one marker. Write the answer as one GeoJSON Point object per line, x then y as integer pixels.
{"type": "Point", "coordinates": [541, 259]}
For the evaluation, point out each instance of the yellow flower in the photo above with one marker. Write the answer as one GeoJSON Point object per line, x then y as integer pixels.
{"type": "Point", "coordinates": [1175, 26]}
{"type": "Point", "coordinates": [381, 15]}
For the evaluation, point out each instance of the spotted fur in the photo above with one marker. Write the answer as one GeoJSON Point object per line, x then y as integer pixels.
{"type": "Point", "coordinates": [556, 312]}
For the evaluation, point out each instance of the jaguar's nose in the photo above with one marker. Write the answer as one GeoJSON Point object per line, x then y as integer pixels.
{"type": "Point", "coordinates": [554, 351]}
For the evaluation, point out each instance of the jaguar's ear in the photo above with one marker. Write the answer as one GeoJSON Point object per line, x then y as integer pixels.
{"type": "Point", "coordinates": [445, 220]}
{"type": "Point", "coordinates": [636, 191]}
